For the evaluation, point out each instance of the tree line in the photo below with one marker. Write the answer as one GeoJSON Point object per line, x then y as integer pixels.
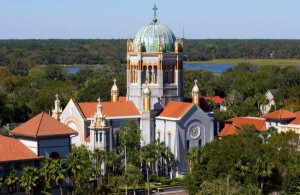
{"type": "Point", "coordinates": [26, 92]}
{"type": "Point", "coordinates": [102, 51]}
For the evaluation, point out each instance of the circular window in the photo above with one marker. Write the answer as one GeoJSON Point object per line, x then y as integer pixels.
{"type": "Point", "coordinates": [195, 132]}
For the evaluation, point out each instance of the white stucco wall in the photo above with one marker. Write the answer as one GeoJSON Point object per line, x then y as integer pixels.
{"type": "Point", "coordinates": [31, 144]}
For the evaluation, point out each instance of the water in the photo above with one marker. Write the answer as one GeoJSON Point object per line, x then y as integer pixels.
{"type": "Point", "coordinates": [211, 67]}
{"type": "Point", "coordinates": [219, 68]}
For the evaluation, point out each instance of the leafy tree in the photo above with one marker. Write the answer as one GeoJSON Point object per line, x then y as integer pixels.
{"type": "Point", "coordinates": [134, 177]}
{"type": "Point", "coordinates": [79, 166]}
{"type": "Point", "coordinates": [29, 179]}
{"type": "Point", "coordinates": [147, 156]}
{"type": "Point", "coordinates": [11, 180]}
{"type": "Point", "coordinates": [58, 173]}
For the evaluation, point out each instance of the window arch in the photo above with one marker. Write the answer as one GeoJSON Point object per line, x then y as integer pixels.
{"type": "Point", "coordinates": [54, 155]}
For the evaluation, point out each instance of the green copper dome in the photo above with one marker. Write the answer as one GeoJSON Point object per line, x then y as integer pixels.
{"type": "Point", "coordinates": [150, 35]}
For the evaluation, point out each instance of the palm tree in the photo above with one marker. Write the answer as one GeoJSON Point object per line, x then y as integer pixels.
{"type": "Point", "coordinates": [78, 162]}
{"type": "Point", "coordinates": [46, 170]}
{"type": "Point", "coordinates": [11, 181]}
{"type": "Point", "coordinates": [1, 184]}
{"type": "Point", "coordinates": [263, 169]}
{"type": "Point", "coordinates": [134, 176]}
{"type": "Point", "coordinates": [29, 179]}
{"type": "Point", "coordinates": [58, 173]}
{"type": "Point", "coordinates": [193, 156]}
{"type": "Point", "coordinates": [98, 157]}
{"type": "Point", "coordinates": [147, 157]}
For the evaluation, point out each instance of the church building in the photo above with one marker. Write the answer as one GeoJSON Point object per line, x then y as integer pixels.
{"type": "Point", "coordinates": [154, 101]}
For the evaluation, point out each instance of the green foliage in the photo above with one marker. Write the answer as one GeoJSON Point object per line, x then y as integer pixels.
{"type": "Point", "coordinates": [11, 180]}
{"type": "Point", "coordinates": [130, 136]}
{"type": "Point", "coordinates": [247, 161]}
{"type": "Point", "coordinates": [29, 179]}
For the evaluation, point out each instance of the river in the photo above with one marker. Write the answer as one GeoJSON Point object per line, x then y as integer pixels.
{"type": "Point", "coordinates": [218, 68]}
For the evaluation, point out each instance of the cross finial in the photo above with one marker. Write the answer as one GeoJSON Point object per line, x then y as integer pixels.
{"type": "Point", "coordinates": [154, 9]}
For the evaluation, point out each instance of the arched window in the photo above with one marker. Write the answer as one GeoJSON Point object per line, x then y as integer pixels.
{"type": "Point", "coordinates": [200, 142]}
{"type": "Point", "coordinates": [144, 74]}
{"type": "Point", "coordinates": [155, 74]}
{"type": "Point", "coordinates": [54, 155]}
{"type": "Point", "coordinates": [169, 139]}
{"type": "Point", "coordinates": [101, 137]}
{"type": "Point", "coordinates": [158, 135]}
{"type": "Point", "coordinates": [150, 74]}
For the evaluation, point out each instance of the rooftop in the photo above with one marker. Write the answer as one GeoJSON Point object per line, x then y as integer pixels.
{"type": "Point", "coordinates": [110, 109]}
{"type": "Point", "coordinates": [42, 125]}
{"type": "Point", "coordinates": [176, 110]}
{"type": "Point", "coordinates": [12, 149]}
{"type": "Point", "coordinates": [280, 115]}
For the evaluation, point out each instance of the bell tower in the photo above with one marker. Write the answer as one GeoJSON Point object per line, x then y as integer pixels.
{"type": "Point", "coordinates": [154, 56]}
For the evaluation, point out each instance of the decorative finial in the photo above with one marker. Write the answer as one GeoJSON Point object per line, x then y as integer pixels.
{"type": "Point", "coordinates": [195, 81]}
{"type": "Point", "coordinates": [98, 100]}
{"type": "Point", "coordinates": [154, 9]}
{"type": "Point", "coordinates": [57, 96]}
{"type": "Point", "coordinates": [115, 80]}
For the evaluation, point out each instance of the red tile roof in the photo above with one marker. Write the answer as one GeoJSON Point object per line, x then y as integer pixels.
{"type": "Point", "coordinates": [122, 99]}
{"type": "Point", "coordinates": [12, 149]}
{"type": "Point", "coordinates": [42, 125]}
{"type": "Point", "coordinates": [215, 99]}
{"type": "Point", "coordinates": [176, 109]}
{"type": "Point", "coordinates": [280, 115]}
{"type": "Point", "coordinates": [231, 125]}
{"type": "Point", "coordinates": [110, 109]}
{"type": "Point", "coordinates": [296, 121]}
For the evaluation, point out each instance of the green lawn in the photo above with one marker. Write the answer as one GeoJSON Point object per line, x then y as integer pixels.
{"type": "Point", "coordinates": [278, 62]}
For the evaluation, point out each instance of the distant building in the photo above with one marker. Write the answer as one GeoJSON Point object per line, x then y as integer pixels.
{"type": "Point", "coordinates": [279, 117]}
{"type": "Point", "coordinates": [270, 98]}
{"type": "Point", "coordinates": [231, 126]}
{"type": "Point", "coordinates": [217, 101]}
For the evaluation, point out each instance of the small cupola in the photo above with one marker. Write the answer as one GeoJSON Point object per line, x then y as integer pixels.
{"type": "Point", "coordinates": [56, 112]}
{"type": "Point", "coordinates": [146, 98]}
{"type": "Point", "coordinates": [195, 93]}
{"type": "Point", "coordinates": [114, 92]}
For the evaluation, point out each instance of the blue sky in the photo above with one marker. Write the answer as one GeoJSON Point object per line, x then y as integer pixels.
{"type": "Point", "coordinates": [201, 19]}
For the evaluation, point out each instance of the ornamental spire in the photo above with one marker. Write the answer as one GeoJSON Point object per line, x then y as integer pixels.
{"type": "Point", "coordinates": [154, 9]}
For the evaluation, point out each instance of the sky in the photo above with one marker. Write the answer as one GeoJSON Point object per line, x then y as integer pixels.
{"type": "Point", "coordinates": [106, 19]}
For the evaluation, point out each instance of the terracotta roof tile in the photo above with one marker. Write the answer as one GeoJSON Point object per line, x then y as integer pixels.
{"type": "Point", "coordinates": [42, 125]}
{"type": "Point", "coordinates": [296, 121]}
{"type": "Point", "coordinates": [88, 138]}
{"type": "Point", "coordinates": [176, 109]}
{"type": "Point", "coordinates": [280, 114]}
{"type": "Point", "coordinates": [12, 149]}
{"type": "Point", "coordinates": [110, 109]}
{"type": "Point", "coordinates": [215, 99]}
{"type": "Point", "coordinates": [231, 125]}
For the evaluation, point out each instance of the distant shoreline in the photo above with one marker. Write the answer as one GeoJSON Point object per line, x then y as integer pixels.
{"type": "Point", "coordinates": [275, 62]}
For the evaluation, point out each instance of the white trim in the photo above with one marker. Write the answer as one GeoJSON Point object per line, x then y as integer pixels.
{"type": "Point", "coordinates": [168, 118]}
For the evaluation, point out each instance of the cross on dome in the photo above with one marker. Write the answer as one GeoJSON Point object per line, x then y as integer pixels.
{"type": "Point", "coordinates": [154, 9]}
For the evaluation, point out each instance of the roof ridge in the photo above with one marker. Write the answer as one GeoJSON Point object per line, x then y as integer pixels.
{"type": "Point", "coordinates": [39, 124]}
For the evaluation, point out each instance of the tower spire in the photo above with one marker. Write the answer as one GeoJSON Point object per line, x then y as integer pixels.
{"type": "Point", "coordinates": [155, 9]}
